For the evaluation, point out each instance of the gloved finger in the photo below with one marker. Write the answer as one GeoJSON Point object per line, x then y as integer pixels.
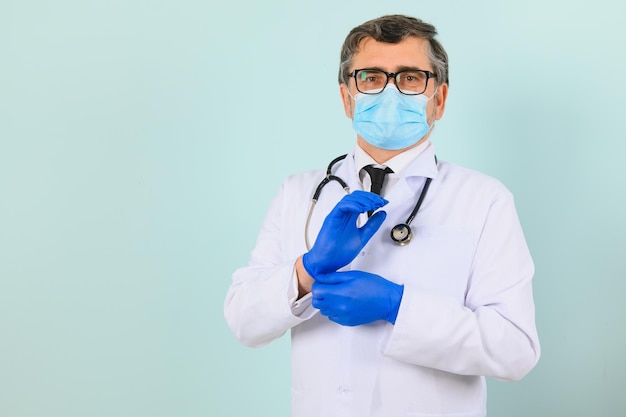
{"type": "Point", "coordinates": [372, 225]}
{"type": "Point", "coordinates": [344, 321]}
{"type": "Point", "coordinates": [327, 313]}
{"type": "Point", "coordinates": [358, 202]}
{"type": "Point", "coordinates": [366, 195]}
{"type": "Point", "coordinates": [317, 292]}
{"type": "Point", "coordinates": [322, 305]}
{"type": "Point", "coordinates": [329, 310]}
{"type": "Point", "coordinates": [366, 200]}
{"type": "Point", "coordinates": [322, 281]}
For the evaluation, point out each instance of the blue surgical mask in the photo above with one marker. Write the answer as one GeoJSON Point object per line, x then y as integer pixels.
{"type": "Point", "coordinates": [391, 120]}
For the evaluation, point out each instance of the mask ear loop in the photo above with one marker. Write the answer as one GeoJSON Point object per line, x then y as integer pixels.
{"type": "Point", "coordinates": [353, 101]}
{"type": "Point", "coordinates": [431, 126]}
{"type": "Point", "coordinates": [347, 84]}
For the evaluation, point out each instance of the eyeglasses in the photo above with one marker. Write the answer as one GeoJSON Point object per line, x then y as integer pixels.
{"type": "Point", "coordinates": [409, 82]}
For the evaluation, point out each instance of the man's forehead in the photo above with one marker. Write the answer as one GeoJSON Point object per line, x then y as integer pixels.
{"type": "Point", "coordinates": [411, 52]}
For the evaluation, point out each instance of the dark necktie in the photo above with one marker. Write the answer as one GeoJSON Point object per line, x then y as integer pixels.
{"type": "Point", "coordinates": [378, 178]}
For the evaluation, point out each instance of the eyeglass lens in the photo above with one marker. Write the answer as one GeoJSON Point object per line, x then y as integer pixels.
{"type": "Point", "coordinates": [374, 81]}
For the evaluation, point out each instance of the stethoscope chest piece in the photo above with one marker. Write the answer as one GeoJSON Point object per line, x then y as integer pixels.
{"type": "Point", "coordinates": [401, 234]}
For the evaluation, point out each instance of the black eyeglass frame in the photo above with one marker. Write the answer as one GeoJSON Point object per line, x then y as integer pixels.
{"type": "Point", "coordinates": [389, 75]}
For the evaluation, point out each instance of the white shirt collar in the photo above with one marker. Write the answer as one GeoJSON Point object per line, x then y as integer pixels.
{"type": "Point", "coordinates": [398, 164]}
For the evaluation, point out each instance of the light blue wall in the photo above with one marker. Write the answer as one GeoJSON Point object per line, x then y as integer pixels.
{"type": "Point", "coordinates": [116, 246]}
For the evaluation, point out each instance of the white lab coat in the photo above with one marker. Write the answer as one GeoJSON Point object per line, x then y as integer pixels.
{"type": "Point", "coordinates": [467, 309]}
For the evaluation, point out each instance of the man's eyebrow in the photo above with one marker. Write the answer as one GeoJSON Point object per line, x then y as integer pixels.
{"type": "Point", "coordinates": [398, 69]}
{"type": "Point", "coordinates": [410, 68]}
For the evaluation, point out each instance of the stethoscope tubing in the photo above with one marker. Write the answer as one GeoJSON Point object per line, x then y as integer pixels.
{"type": "Point", "coordinates": [316, 195]}
{"type": "Point", "coordinates": [330, 177]}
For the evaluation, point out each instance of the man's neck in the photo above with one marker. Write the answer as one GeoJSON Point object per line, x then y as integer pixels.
{"type": "Point", "coordinates": [383, 155]}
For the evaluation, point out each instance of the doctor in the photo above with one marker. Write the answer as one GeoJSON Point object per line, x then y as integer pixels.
{"type": "Point", "coordinates": [418, 283]}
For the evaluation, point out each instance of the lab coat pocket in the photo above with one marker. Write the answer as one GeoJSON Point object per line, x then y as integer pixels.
{"type": "Point", "coordinates": [440, 261]}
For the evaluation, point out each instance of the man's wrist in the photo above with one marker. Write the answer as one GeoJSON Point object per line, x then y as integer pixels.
{"type": "Point", "coordinates": [305, 281]}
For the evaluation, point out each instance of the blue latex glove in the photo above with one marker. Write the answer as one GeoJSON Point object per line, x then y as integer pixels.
{"type": "Point", "coordinates": [340, 240]}
{"type": "Point", "coordinates": [351, 298]}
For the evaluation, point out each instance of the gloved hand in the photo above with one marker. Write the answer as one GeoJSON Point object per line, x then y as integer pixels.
{"type": "Point", "coordinates": [351, 298]}
{"type": "Point", "coordinates": [340, 240]}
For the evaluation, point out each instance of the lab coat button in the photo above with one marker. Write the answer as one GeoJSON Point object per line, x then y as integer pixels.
{"type": "Point", "coordinates": [342, 389]}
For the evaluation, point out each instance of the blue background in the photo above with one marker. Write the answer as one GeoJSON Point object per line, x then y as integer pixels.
{"type": "Point", "coordinates": [141, 143]}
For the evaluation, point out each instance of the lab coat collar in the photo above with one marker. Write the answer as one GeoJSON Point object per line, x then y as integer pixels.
{"type": "Point", "coordinates": [424, 165]}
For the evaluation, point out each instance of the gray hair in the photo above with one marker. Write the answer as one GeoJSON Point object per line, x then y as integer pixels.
{"type": "Point", "coordinates": [394, 29]}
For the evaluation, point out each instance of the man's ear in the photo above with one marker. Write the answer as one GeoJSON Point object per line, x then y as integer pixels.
{"type": "Point", "coordinates": [347, 100]}
{"type": "Point", "coordinates": [441, 97]}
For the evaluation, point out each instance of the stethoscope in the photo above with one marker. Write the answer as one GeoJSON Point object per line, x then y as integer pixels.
{"type": "Point", "coordinates": [401, 234]}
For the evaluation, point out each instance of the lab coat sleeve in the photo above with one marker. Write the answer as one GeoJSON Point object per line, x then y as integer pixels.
{"type": "Point", "coordinates": [261, 303]}
{"type": "Point", "coordinates": [493, 333]}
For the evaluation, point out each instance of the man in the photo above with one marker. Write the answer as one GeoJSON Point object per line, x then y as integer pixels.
{"type": "Point", "coordinates": [391, 321]}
